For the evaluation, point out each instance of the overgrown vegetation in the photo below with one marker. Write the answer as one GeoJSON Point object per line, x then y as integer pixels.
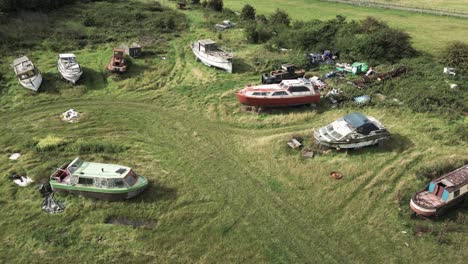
{"type": "Point", "coordinates": [43, 5]}
{"type": "Point", "coordinates": [455, 54]}
{"type": "Point", "coordinates": [369, 39]}
{"type": "Point", "coordinates": [89, 24]}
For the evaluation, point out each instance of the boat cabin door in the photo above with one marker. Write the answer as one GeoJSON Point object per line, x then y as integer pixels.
{"type": "Point", "coordinates": [439, 189]}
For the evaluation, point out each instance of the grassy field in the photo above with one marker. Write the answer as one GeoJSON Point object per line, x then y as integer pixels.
{"type": "Point", "coordinates": [448, 5]}
{"type": "Point", "coordinates": [429, 32]}
{"type": "Point", "coordinates": [224, 186]}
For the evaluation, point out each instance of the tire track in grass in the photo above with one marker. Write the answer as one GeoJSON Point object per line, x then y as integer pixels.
{"type": "Point", "coordinates": [270, 206]}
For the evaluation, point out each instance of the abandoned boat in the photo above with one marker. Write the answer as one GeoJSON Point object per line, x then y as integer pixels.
{"type": "Point", "coordinates": [69, 68]}
{"type": "Point", "coordinates": [98, 180]}
{"type": "Point", "coordinates": [287, 93]}
{"type": "Point", "coordinates": [208, 52]}
{"type": "Point", "coordinates": [117, 62]}
{"type": "Point", "coordinates": [352, 131]}
{"type": "Point", "coordinates": [287, 72]}
{"type": "Point", "coordinates": [441, 193]}
{"type": "Point", "coordinates": [27, 74]}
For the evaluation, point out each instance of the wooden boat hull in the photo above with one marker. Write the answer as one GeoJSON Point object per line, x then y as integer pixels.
{"type": "Point", "coordinates": [278, 102]}
{"type": "Point", "coordinates": [213, 61]}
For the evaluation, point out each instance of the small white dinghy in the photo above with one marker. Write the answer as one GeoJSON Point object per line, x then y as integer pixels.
{"type": "Point", "coordinates": [69, 68]}
{"type": "Point", "coordinates": [27, 74]}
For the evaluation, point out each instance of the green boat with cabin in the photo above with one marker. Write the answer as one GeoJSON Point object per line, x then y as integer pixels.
{"type": "Point", "coordinates": [98, 180]}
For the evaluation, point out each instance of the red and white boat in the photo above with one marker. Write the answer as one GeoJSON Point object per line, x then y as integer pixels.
{"type": "Point", "coordinates": [286, 93]}
{"type": "Point", "coordinates": [442, 193]}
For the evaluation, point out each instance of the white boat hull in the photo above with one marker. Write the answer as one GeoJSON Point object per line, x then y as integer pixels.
{"type": "Point", "coordinates": [32, 83]}
{"type": "Point", "coordinates": [73, 78]}
{"type": "Point", "coordinates": [68, 75]}
{"type": "Point", "coordinates": [213, 61]}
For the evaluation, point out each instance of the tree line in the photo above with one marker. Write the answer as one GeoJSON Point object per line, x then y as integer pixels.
{"type": "Point", "coordinates": [8, 6]}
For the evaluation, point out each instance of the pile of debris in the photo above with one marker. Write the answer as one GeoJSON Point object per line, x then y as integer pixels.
{"type": "Point", "coordinates": [226, 24]}
{"type": "Point", "coordinates": [355, 68]}
{"type": "Point", "coordinates": [316, 59]}
{"type": "Point", "coordinates": [71, 115]}
{"type": "Point", "coordinates": [15, 156]}
{"type": "Point", "coordinates": [20, 180]}
{"type": "Point", "coordinates": [366, 81]}
{"type": "Point", "coordinates": [321, 85]}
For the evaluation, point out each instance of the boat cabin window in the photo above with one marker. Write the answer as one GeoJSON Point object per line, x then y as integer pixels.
{"type": "Point", "coordinates": [367, 128]}
{"type": "Point", "coordinates": [119, 183]}
{"type": "Point", "coordinates": [260, 93]}
{"type": "Point", "coordinates": [456, 193]}
{"type": "Point", "coordinates": [298, 89]}
{"type": "Point", "coordinates": [86, 181]}
{"type": "Point", "coordinates": [280, 93]}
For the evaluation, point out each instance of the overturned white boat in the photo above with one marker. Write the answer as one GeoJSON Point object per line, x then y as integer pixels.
{"type": "Point", "coordinates": [210, 54]}
{"type": "Point", "coordinates": [28, 75]}
{"type": "Point", "coordinates": [352, 131]}
{"type": "Point", "coordinates": [69, 68]}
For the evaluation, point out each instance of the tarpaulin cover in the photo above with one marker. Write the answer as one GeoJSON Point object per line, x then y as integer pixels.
{"type": "Point", "coordinates": [49, 204]}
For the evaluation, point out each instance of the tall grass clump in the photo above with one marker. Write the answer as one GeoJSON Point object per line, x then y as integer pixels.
{"type": "Point", "coordinates": [82, 147]}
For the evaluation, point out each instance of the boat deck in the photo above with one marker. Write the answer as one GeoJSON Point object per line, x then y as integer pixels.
{"type": "Point", "coordinates": [220, 53]}
{"type": "Point", "coordinates": [428, 200]}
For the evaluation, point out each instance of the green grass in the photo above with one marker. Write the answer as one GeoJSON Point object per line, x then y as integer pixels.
{"type": "Point", "coordinates": [447, 5]}
{"type": "Point", "coordinates": [224, 186]}
{"type": "Point", "coordinates": [429, 32]}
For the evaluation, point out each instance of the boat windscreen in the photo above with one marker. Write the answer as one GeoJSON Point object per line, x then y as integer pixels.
{"type": "Point", "coordinates": [131, 178]}
{"type": "Point", "coordinates": [356, 119]}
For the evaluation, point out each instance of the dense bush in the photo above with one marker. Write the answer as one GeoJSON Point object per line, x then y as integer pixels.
{"type": "Point", "coordinates": [455, 54]}
{"type": "Point", "coordinates": [247, 13]}
{"type": "Point", "coordinates": [97, 23]}
{"type": "Point", "coordinates": [216, 5]}
{"type": "Point", "coordinates": [44, 5]}
{"type": "Point", "coordinates": [280, 18]}
{"type": "Point", "coordinates": [370, 40]}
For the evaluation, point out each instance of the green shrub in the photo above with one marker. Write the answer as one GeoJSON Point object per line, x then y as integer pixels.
{"type": "Point", "coordinates": [455, 54]}
{"type": "Point", "coordinates": [216, 5]}
{"type": "Point", "coordinates": [247, 13]}
{"type": "Point", "coordinates": [50, 143]}
{"type": "Point", "coordinates": [90, 147]}
{"type": "Point", "coordinates": [280, 18]}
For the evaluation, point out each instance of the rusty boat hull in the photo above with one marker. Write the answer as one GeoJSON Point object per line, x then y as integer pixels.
{"type": "Point", "coordinates": [277, 102]}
